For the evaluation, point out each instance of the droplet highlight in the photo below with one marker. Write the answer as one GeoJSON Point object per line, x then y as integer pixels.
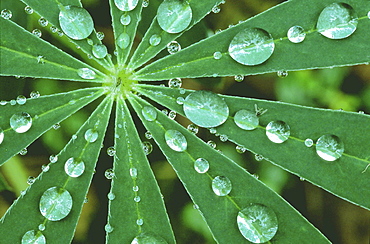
{"type": "Point", "coordinates": [329, 147]}
{"type": "Point", "coordinates": [174, 16]}
{"type": "Point", "coordinates": [21, 122]}
{"type": "Point", "coordinates": [176, 140]}
{"type": "Point", "coordinates": [55, 203]}
{"type": "Point", "coordinates": [277, 131]}
{"type": "Point", "coordinates": [1, 135]}
{"type": "Point", "coordinates": [76, 22]}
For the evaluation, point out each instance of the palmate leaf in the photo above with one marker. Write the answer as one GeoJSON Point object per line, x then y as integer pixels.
{"type": "Point", "coordinates": [45, 111]}
{"type": "Point", "coordinates": [316, 51]}
{"type": "Point", "coordinates": [25, 212]}
{"type": "Point", "coordinates": [220, 212]}
{"type": "Point", "coordinates": [345, 177]}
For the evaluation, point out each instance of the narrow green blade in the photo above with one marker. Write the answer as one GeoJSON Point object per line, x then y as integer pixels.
{"type": "Point", "coordinates": [316, 51]}
{"type": "Point", "coordinates": [220, 211]}
{"type": "Point", "coordinates": [44, 111]}
{"type": "Point", "coordinates": [347, 177]}
{"type": "Point", "coordinates": [62, 212]}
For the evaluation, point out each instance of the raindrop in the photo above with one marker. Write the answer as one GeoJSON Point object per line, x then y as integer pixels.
{"type": "Point", "coordinates": [135, 188]}
{"type": "Point", "coordinates": [55, 203]}
{"type": "Point", "coordinates": [329, 147]}
{"type": "Point", "coordinates": [37, 32]}
{"type": "Point", "coordinates": [109, 174]}
{"type": "Point", "coordinates": [180, 100]}
{"type": "Point", "coordinates": [258, 157]}
{"type": "Point", "coordinates": [100, 35]}
{"type": "Point", "coordinates": [41, 227]}
{"type": "Point", "coordinates": [206, 109]}
{"type": "Point", "coordinates": [1, 135]}
{"type": "Point", "coordinates": [201, 165]}
{"type": "Point", "coordinates": [278, 131]}
{"type": "Point", "coordinates": [56, 126]}
{"type": "Point", "coordinates": [34, 94]}
{"type": "Point", "coordinates": [28, 10]}
{"type": "Point", "coordinates": [111, 196]}
{"type": "Point", "coordinates": [126, 5]}
{"type": "Point", "coordinates": [175, 140]}
{"type": "Point", "coordinates": [147, 147]}
{"type": "Point", "coordinates": [174, 16]}
{"type": "Point", "coordinates": [123, 40]}
{"type": "Point", "coordinates": [137, 198]}
{"type": "Point", "coordinates": [282, 74]}
{"type": "Point", "coordinates": [240, 149]}
{"type": "Point", "coordinates": [99, 51]}
{"type": "Point", "coordinates": [86, 73]}
{"type": "Point", "coordinates": [125, 19]}
{"type": "Point", "coordinates": [30, 180]}
{"type": "Point", "coordinates": [133, 173]}
{"type": "Point", "coordinates": [212, 144]}
{"type": "Point", "coordinates": [337, 21]}
{"type": "Point", "coordinates": [155, 40]}
{"type": "Point", "coordinates": [21, 100]}
{"type": "Point", "coordinates": [217, 55]}
{"type": "Point", "coordinates": [140, 222]}
{"type": "Point", "coordinates": [23, 152]}
{"type": "Point", "coordinates": [221, 185]}
{"type": "Point", "coordinates": [108, 228]}
{"type": "Point", "coordinates": [74, 168]}
{"type": "Point", "coordinates": [91, 135]}
{"type": "Point", "coordinates": [149, 113]}
{"type": "Point", "coordinates": [251, 46]}
{"type": "Point", "coordinates": [216, 9]}
{"type": "Point", "coordinates": [246, 119]}
{"type": "Point", "coordinates": [145, 3]}
{"type": "Point", "coordinates": [296, 34]}
{"type": "Point", "coordinates": [257, 223]}
{"type": "Point", "coordinates": [111, 151]}
{"type": "Point", "coordinates": [239, 78]}
{"type": "Point", "coordinates": [76, 22]}
{"type": "Point", "coordinates": [175, 83]}
{"type": "Point", "coordinates": [21, 122]}
{"type": "Point", "coordinates": [173, 47]}
{"type": "Point", "coordinates": [172, 114]}
{"type": "Point", "coordinates": [53, 158]}
{"type": "Point", "coordinates": [43, 22]}
{"type": "Point", "coordinates": [193, 128]}
{"type": "Point", "coordinates": [33, 236]}
{"type": "Point", "coordinates": [6, 13]}
{"type": "Point", "coordinates": [308, 142]}
{"type": "Point", "coordinates": [145, 238]}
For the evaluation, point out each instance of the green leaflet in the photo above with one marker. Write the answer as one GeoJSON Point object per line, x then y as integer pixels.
{"type": "Point", "coordinates": [345, 177]}
{"type": "Point", "coordinates": [25, 213]}
{"type": "Point", "coordinates": [316, 51]}
{"type": "Point", "coordinates": [221, 212]}
{"type": "Point", "coordinates": [45, 112]}
{"type": "Point", "coordinates": [136, 196]}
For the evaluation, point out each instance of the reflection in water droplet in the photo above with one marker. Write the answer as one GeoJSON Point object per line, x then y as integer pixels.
{"type": "Point", "coordinates": [126, 5]}
{"type": "Point", "coordinates": [193, 128]}
{"type": "Point", "coordinates": [239, 78]}
{"type": "Point", "coordinates": [123, 40]}
{"type": "Point", "coordinates": [91, 135]}
{"type": "Point", "coordinates": [1, 135]}
{"type": "Point", "coordinates": [282, 74]}
{"type": "Point", "coordinates": [147, 147]}
{"type": "Point", "coordinates": [308, 142]}
{"type": "Point", "coordinates": [74, 168]}
{"type": "Point", "coordinates": [125, 19]}
{"type": "Point", "coordinates": [56, 126]}
{"type": "Point", "coordinates": [337, 21]}
{"type": "Point", "coordinates": [145, 238]}
{"type": "Point", "coordinates": [278, 131]}
{"type": "Point", "coordinates": [329, 147]}
{"type": "Point", "coordinates": [221, 185]}
{"type": "Point", "coordinates": [37, 32]}
{"type": "Point", "coordinates": [109, 174]}
{"type": "Point", "coordinates": [99, 51]}
{"type": "Point", "coordinates": [6, 13]}
{"type": "Point", "coordinates": [246, 119]}
{"type": "Point", "coordinates": [296, 34]}
{"type": "Point", "coordinates": [217, 55]}
{"type": "Point", "coordinates": [76, 22]}
{"type": "Point", "coordinates": [206, 109]}
{"type": "Point", "coordinates": [28, 10]}
{"type": "Point", "coordinates": [175, 140]}
{"type": "Point", "coordinates": [32, 236]}
{"type": "Point", "coordinates": [149, 113]}
{"type": "Point", "coordinates": [257, 223]}
{"type": "Point", "coordinates": [55, 203]}
{"type": "Point", "coordinates": [21, 122]}
{"type": "Point", "coordinates": [172, 114]}
{"type": "Point", "coordinates": [108, 228]}
{"type": "Point", "coordinates": [155, 40]}
{"type": "Point", "coordinates": [224, 138]}
{"type": "Point", "coordinates": [180, 100]}
{"type": "Point", "coordinates": [252, 46]}
{"type": "Point", "coordinates": [173, 47]}
{"type": "Point", "coordinates": [111, 151]}
{"type": "Point", "coordinates": [201, 165]}
{"type": "Point", "coordinates": [175, 83]}
{"type": "Point", "coordinates": [174, 16]}
{"type": "Point", "coordinates": [86, 73]}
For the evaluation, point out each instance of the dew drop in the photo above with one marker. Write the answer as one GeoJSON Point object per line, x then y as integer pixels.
{"type": "Point", "coordinates": [55, 203]}
{"type": "Point", "coordinates": [53, 158]}
{"type": "Point", "coordinates": [149, 113]}
{"type": "Point", "coordinates": [246, 119]}
{"type": "Point", "coordinates": [56, 126]}
{"type": "Point", "coordinates": [296, 34]}
{"type": "Point", "coordinates": [123, 40]}
{"type": "Point", "coordinates": [34, 94]}
{"type": "Point", "coordinates": [74, 168]}
{"type": "Point", "coordinates": [180, 100]}
{"type": "Point", "coordinates": [224, 138]}
{"type": "Point", "coordinates": [206, 109]}
{"type": "Point", "coordinates": [100, 35]}
{"type": "Point", "coordinates": [217, 55]}
{"type": "Point", "coordinates": [111, 151]}
{"type": "Point", "coordinates": [145, 238]}
{"type": "Point", "coordinates": [13, 102]}
{"type": "Point", "coordinates": [23, 152]}
{"type": "Point", "coordinates": [33, 236]}
{"type": "Point", "coordinates": [257, 223]}
{"type": "Point", "coordinates": [176, 140]}
{"type": "Point", "coordinates": [28, 10]}
{"type": "Point", "coordinates": [368, 14]}
{"type": "Point", "coordinates": [21, 100]}
{"type": "Point", "coordinates": [91, 135]}
{"type": "Point", "coordinates": [30, 180]}
{"type": "Point", "coordinates": [76, 22]}
{"type": "Point", "coordinates": [193, 128]}
{"type": "Point", "coordinates": [108, 228]}
{"type": "Point", "coordinates": [135, 188]}
{"type": "Point", "coordinates": [86, 73]}
{"type": "Point", "coordinates": [99, 51]}
{"type": "Point", "coordinates": [172, 115]}
{"type": "Point", "coordinates": [43, 22]}
{"type": "Point", "coordinates": [109, 174]}
{"type": "Point", "coordinates": [308, 142]}
{"type": "Point", "coordinates": [133, 173]}
{"type": "Point", "coordinates": [329, 147]}
{"type": "Point", "coordinates": [216, 9]}
{"type": "Point", "coordinates": [1, 135]}
{"type": "Point", "coordinates": [240, 149]}
{"type": "Point", "coordinates": [111, 196]}
{"type": "Point", "coordinates": [140, 222]}
{"type": "Point", "coordinates": [258, 157]}
{"type": "Point", "coordinates": [155, 40]}
{"type": "Point", "coordinates": [212, 144]}
{"type": "Point", "coordinates": [148, 135]}
{"type": "Point", "coordinates": [174, 16]}
{"type": "Point", "coordinates": [337, 21]}
{"type": "Point", "coordinates": [3, 102]}
{"type": "Point", "coordinates": [6, 13]}
{"type": "Point", "coordinates": [251, 46]}
{"type": "Point", "coordinates": [278, 131]}
{"type": "Point", "coordinates": [37, 32]}
{"type": "Point", "coordinates": [21, 122]}
{"type": "Point", "coordinates": [201, 165]}
{"type": "Point", "coordinates": [173, 47]}
{"type": "Point", "coordinates": [147, 147]}
{"type": "Point", "coordinates": [221, 185]}
{"type": "Point", "coordinates": [45, 168]}
{"type": "Point", "coordinates": [175, 83]}
{"type": "Point", "coordinates": [282, 74]}
{"type": "Point", "coordinates": [239, 78]}
{"type": "Point", "coordinates": [53, 29]}
{"type": "Point", "coordinates": [125, 19]}
{"type": "Point", "coordinates": [126, 5]}
{"type": "Point", "coordinates": [137, 198]}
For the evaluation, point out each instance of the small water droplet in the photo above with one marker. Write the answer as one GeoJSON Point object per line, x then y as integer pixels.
{"type": "Point", "coordinates": [100, 35]}
{"type": "Point", "coordinates": [216, 9]}
{"type": "Point", "coordinates": [13, 102]}
{"type": "Point", "coordinates": [337, 21]}
{"type": "Point", "coordinates": [91, 135]}
{"type": "Point", "coordinates": [86, 73]}
{"type": "Point", "coordinates": [217, 55]}
{"type": "Point", "coordinates": [180, 100]}
{"type": "Point", "coordinates": [109, 174]}
{"type": "Point", "coordinates": [56, 126]}
{"type": "Point", "coordinates": [368, 14]}
{"type": "Point", "coordinates": [155, 40]}
{"type": "Point", "coordinates": [45, 168]}
{"type": "Point", "coordinates": [21, 100]}
{"type": "Point", "coordinates": [140, 222]}
{"type": "Point", "coordinates": [172, 115]}
{"type": "Point", "coordinates": [246, 119]}
{"type": "Point", "coordinates": [201, 165]}
{"type": "Point", "coordinates": [296, 34]}
{"type": "Point", "coordinates": [55, 203]}
{"type": "Point", "coordinates": [240, 149]}
{"type": "Point", "coordinates": [252, 46]}
{"type": "Point", "coordinates": [135, 188]}
{"type": "Point", "coordinates": [6, 13]}
{"type": "Point", "coordinates": [53, 29]}
{"type": "Point", "coordinates": [23, 152]}
{"type": "Point", "coordinates": [33, 236]}
{"type": "Point", "coordinates": [41, 228]}
{"type": "Point", "coordinates": [108, 228]}
{"type": "Point", "coordinates": [76, 22]}
{"type": "Point", "coordinates": [34, 94]}
{"type": "Point", "coordinates": [176, 140]}
{"type": "Point", "coordinates": [257, 223]}
{"type": "Point", "coordinates": [278, 131]}
{"type": "Point", "coordinates": [193, 128]}
{"type": "Point", "coordinates": [258, 157]}
{"type": "Point", "coordinates": [53, 158]}
{"type": "Point", "coordinates": [137, 198]}
{"type": "Point", "coordinates": [21, 122]}
{"type": "Point", "coordinates": [43, 22]}
{"type": "Point", "coordinates": [37, 32]}
{"type": "Point", "coordinates": [28, 10]}
{"type": "Point", "coordinates": [111, 196]}
{"type": "Point", "coordinates": [212, 130]}
{"type": "Point", "coordinates": [149, 113]}
{"type": "Point", "coordinates": [212, 144]}
{"type": "Point", "coordinates": [221, 185]}
{"type": "Point", "coordinates": [74, 168]}
{"type": "Point", "coordinates": [30, 180]}
{"type": "Point", "coordinates": [1, 135]}
{"type": "Point", "coordinates": [239, 78]}
{"type": "Point", "coordinates": [308, 142]}
{"type": "Point", "coordinates": [282, 74]}
{"type": "Point", "coordinates": [99, 51]}
{"type": "Point", "coordinates": [123, 40]}
{"type": "Point", "coordinates": [148, 135]}
{"type": "Point", "coordinates": [111, 151]}
{"type": "Point", "coordinates": [146, 238]}
{"type": "Point", "coordinates": [224, 138]}
{"type": "Point", "coordinates": [125, 19]}
{"type": "Point", "coordinates": [126, 5]}
{"type": "Point", "coordinates": [174, 16]}
{"type": "Point", "coordinates": [173, 47]}
{"type": "Point", "coordinates": [147, 147]}
{"type": "Point", "coordinates": [133, 173]}
{"type": "Point", "coordinates": [3, 102]}
{"type": "Point", "coordinates": [175, 83]}
{"type": "Point", "coordinates": [329, 147]}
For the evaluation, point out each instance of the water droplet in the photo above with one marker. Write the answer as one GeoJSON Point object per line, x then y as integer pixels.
{"type": "Point", "coordinates": [258, 157]}
{"type": "Point", "coordinates": [155, 40]}
{"type": "Point", "coordinates": [41, 227]}
{"type": "Point", "coordinates": [3, 102]}
{"type": "Point", "coordinates": [30, 180]}
{"type": "Point", "coordinates": [140, 222]}
{"type": "Point", "coordinates": [180, 100]}
{"type": "Point", "coordinates": [23, 152]}
{"type": "Point", "coordinates": [296, 34]}
{"type": "Point", "coordinates": [173, 47]}
{"type": "Point", "coordinates": [45, 168]}
{"type": "Point", "coordinates": [201, 165]}
{"type": "Point", "coordinates": [282, 74]}
{"type": "Point", "coordinates": [126, 5]}
{"type": "Point", "coordinates": [337, 21]}
{"type": "Point", "coordinates": [216, 9]}
{"type": "Point", "coordinates": [91, 135]}
{"type": "Point", "coordinates": [86, 73]}
{"type": "Point", "coordinates": [217, 55]}
{"type": "Point", "coordinates": [193, 128]}
{"type": "Point", "coordinates": [278, 131]}
{"type": "Point", "coordinates": [100, 35]}
{"type": "Point", "coordinates": [239, 78]}
{"type": "Point", "coordinates": [1, 135]}
{"type": "Point", "coordinates": [149, 113]}
{"type": "Point", "coordinates": [76, 22]}
{"type": "Point", "coordinates": [148, 135]}
{"type": "Point", "coordinates": [147, 147]}
{"type": "Point", "coordinates": [37, 32]}
{"type": "Point", "coordinates": [34, 94]}
{"type": "Point", "coordinates": [240, 149]}
{"type": "Point", "coordinates": [135, 188]}
{"type": "Point", "coordinates": [53, 29]}
{"type": "Point", "coordinates": [137, 198]}
{"type": "Point", "coordinates": [21, 122]}
{"type": "Point", "coordinates": [145, 238]}
{"type": "Point", "coordinates": [109, 174]}
{"type": "Point", "coordinates": [111, 151]}
{"type": "Point", "coordinates": [175, 83]}
{"type": "Point", "coordinates": [123, 40]}
{"type": "Point", "coordinates": [99, 51]}
{"type": "Point", "coordinates": [43, 22]}
{"type": "Point", "coordinates": [212, 144]}
{"type": "Point", "coordinates": [56, 126]}
{"type": "Point", "coordinates": [224, 138]}
{"type": "Point", "coordinates": [28, 10]}
{"type": "Point", "coordinates": [172, 115]}
{"type": "Point", "coordinates": [111, 196]}
{"type": "Point", "coordinates": [329, 147]}
{"type": "Point", "coordinates": [21, 100]}
{"type": "Point", "coordinates": [206, 109]}
{"type": "Point", "coordinates": [246, 119]}
{"type": "Point", "coordinates": [252, 46]}
{"type": "Point", "coordinates": [221, 185]}
{"type": "Point", "coordinates": [6, 13]}
{"type": "Point", "coordinates": [125, 19]}
{"type": "Point", "coordinates": [55, 203]}
{"type": "Point", "coordinates": [53, 158]}
{"type": "Point", "coordinates": [133, 173]}
{"type": "Point", "coordinates": [13, 102]}
{"type": "Point", "coordinates": [176, 141]}
{"type": "Point", "coordinates": [368, 14]}
{"type": "Point", "coordinates": [174, 16]}
{"type": "Point", "coordinates": [33, 236]}
{"type": "Point", "coordinates": [308, 142]}
{"type": "Point", "coordinates": [108, 228]}
{"type": "Point", "coordinates": [257, 223]}
{"type": "Point", "coordinates": [74, 168]}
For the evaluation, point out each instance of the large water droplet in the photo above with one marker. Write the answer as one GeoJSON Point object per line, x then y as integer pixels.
{"type": "Point", "coordinates": [21, 122]}
{"type": "Point", "coordinates": [74, 168]}
{"type": "Point", "coordinates": [55, 203]}
{"type": "Point", "coordinates": [257, 223]}
{"type": "Point", "coordinates": [278, 131]}
{"type": "Point", "coordinates": [126, 5]}
{"type": "Point", "coordinates": [206, 109]}
{"type": "Point", "coordinates": [123, 40]}
{"type": "Point", "coordinates": [221, 185]}
{"type": "Point", "coordinates": [21, 100]}
{"type": "Point", "coordinates": [174, 16]}
{"type": "Point", "coordinates": [91, 135]}
{"type": "Point", "coordinates": [33, 237]}
{"type": "Point", "coordinates": [175, 140]}
{"type": "Point", "coordinates": [201, 165]}
{"type": "Point", "coordinates": [149, 113]}
{"type": "Point", "coordinates": [76, 22]}
{"type": "Point", "coordinates": [329, 147]}
{"type": "Point", "coordinates": [337, 21]}
{"type": "Point", "coordinates": [173, 47]}
{"type": "Point", "coordinates": [6, 13]}
{"type": "Point", "coordinates": [145, 238]}
{"type": "Point", "coordinates": [296, 34]}
{"type": "Point", "coordinates": [155, 40]}
{"type": "Point", "coordinates": [1, 135]}
{"type": "Point", "coordinates": [99, 51]}
{"type": "Point", "coordinates": [251, 46]}
{"type": "Point", "coordinates": [246, 119]}
{"type": "Point", "coordinates": [86, 73]}
{"type": "Point", "coordinates": [125, 19]}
